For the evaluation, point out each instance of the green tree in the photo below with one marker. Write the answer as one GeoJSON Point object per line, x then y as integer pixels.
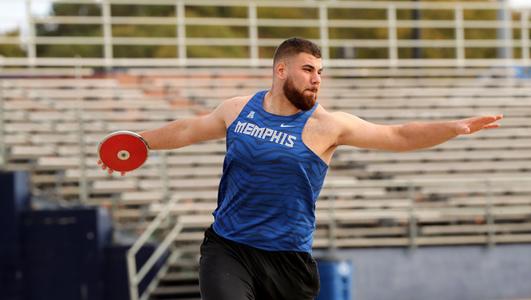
{"type": "Point", "coordinates": [378, 32]}
{"type": "Point", "coordinates": [12, 50]}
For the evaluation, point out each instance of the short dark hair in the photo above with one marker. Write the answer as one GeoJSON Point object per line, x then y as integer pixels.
{"type": "Point", "coordinates": [294, 46]}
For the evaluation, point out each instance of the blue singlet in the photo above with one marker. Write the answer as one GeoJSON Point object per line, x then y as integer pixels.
{"type": "Point", "coordinates": [270, 181]}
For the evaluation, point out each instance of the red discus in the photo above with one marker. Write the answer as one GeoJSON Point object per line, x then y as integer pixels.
{"type": "Point", "coordinates": [123, 151]}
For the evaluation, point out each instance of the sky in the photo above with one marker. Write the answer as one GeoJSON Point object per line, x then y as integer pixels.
{"type": "Point", "coordinates": [520, 3]}
{"type": "Point", "coordinates": [12, 12]}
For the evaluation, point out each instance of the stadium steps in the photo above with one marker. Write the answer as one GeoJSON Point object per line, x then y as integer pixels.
{"type": "Point", "coordinates": [182, 279]}
{"type": "Point", "coordinates": [41, 122]}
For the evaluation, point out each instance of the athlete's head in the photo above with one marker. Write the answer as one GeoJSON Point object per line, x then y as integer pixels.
{"type": "Point", "coordinates": [297, 67]}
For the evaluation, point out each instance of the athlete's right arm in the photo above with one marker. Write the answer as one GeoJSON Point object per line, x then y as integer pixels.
{"type": "Point", "coordinates": [189, 131]}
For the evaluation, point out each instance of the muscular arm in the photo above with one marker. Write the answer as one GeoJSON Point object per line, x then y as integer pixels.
{"type": "Point", "coordinates": [185, 132]}
{"type": "Point", "coordinates": [189, 131]}
{"type": "Point", "coordinates": [406, 137]}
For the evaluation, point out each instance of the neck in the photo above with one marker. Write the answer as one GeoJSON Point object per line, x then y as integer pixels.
{"type": "Point", "coordinates": [275, 102]}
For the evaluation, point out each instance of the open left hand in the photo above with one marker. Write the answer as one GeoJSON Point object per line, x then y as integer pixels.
{"type": "Point", "coordinates": [472, 125]}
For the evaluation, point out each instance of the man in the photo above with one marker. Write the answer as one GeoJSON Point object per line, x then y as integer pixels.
{"type": "Point", "coordinates": [279, 145]}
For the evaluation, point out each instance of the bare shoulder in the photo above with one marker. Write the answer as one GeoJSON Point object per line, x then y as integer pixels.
{"type": "Point", "coordinates": [236, 103]}
{"type": "Point", "coordinates": [344, 120]}
{"type": "Point", "coordinates": [340, 116]}
{"type": "Point", "coordinates": [321, 133]}
{"type": "Point", "coordinates": [325, 119]}
{"type": "Point", "coordinates": [332, 124]}
{"type": "Point", "coordinates": [231, 108]}
{"type": "Point", "coordinates": [324, 123]}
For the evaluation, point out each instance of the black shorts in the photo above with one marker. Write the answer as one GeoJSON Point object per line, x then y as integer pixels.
{"type": "Point", "coordinates": [233, 271]}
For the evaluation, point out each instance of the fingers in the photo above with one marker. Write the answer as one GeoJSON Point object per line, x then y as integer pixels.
{"type": "Point", "coordinates": [472, 125]}
{"type": "Point", "coordinates": [491, 126]}
{"type": "Point", "coordinates": [484, 120]}
{"type": "Point", "coordinates": [489, 123]}
{"type": "Point", "coordinates": [496, 118]}
{"type": "Point", "coordinates": [109, 170]}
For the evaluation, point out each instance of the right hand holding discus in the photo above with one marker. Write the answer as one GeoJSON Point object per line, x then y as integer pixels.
{"type": "Point", "coordinates": [122, 151]}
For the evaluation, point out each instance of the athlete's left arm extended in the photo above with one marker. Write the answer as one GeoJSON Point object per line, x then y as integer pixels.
{"type": "Point", "coordinates": [409, 136]}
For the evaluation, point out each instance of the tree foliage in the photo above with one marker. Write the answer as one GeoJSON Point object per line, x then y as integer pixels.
{"type": "Point", "coordinates": [265, 32]}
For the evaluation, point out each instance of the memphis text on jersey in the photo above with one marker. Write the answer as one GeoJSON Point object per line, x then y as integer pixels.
{"type": "Point", "coordinates": [264, 133]}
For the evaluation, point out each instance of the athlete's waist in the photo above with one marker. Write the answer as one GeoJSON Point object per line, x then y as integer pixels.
{"type": "Point", "coordinates": [264, 238]}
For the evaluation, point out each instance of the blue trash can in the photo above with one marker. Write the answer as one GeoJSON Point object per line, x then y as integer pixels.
{"type": "Point", "coordinates": [522, 72]}
{"type": "Point", "coordinates": [336, 279]}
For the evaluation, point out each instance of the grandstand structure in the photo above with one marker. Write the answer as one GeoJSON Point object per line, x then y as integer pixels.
{"type": "Point", "coordinates": [350, 33]}
{"type": "Point", "coordinates": [473, 190]}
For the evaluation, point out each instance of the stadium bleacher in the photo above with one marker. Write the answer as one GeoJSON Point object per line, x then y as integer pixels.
{"type": "Point", "coordinates": [370, 199]}
{"type": "Point", "coordinates": [387, 62]}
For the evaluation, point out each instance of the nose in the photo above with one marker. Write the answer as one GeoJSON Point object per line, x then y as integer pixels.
{"type": "Point", "coordinates": [316, 78]}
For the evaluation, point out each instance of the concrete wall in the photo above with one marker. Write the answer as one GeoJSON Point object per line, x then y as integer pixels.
{"type": "Point", "coordinates": [431, 273]}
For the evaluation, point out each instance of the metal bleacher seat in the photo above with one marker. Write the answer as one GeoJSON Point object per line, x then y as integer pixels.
{"type": "Point", "coordinates": [369, 199]}
{"type": "Point", "coordinates": [45, 116]}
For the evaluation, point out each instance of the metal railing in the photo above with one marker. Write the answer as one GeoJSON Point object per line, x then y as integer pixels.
{"type": "Point", "coordinates": [412, 213]}
{"type": "Point", "coordinates": [78, 110]}
{"type": "Point", "coordinates": [323, 22]}
{"type": "Point", "coordinates": [136, 277]}
{"type": "Point", "coordinates": [163, 219]}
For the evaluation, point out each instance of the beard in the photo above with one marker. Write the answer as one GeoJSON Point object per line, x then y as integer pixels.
{"type": "Point", "coordinates": [298, 98]}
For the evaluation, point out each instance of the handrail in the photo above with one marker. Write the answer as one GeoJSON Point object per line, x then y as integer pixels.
{"type": "Point", "coordinates": [136, 277]}
{"type": "Point", "coordinates": [78, 111]}
{"type": "Point", "coordinates": [412, 213]}
{"type": "Point", "coordinates": [430, 182]}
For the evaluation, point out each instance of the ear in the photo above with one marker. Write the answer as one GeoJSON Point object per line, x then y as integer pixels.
{"type": "Point", "coordinates": [281, 70]}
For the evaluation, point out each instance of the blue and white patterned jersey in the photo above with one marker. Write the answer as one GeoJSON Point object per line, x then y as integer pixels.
{"type": "Point", "coordinates": [271, 181]}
